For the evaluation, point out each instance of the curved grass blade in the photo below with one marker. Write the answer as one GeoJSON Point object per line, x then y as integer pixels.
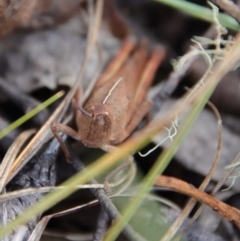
{"type": "Point", "coordinates": [201, 12]}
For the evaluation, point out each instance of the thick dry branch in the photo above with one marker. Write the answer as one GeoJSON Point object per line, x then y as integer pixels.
{"type": "Point", "coordinates": [226, 211]}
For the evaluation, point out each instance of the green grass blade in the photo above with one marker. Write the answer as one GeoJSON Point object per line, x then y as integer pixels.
{"type": "Point", "coordinates": [108, 160]}
{"type": "Point", "coordinates": [30, 114]}
{"type": "Point", "coordinates": [93, 170]}
{"type": "Point", "coordinates": [159, 166]}
{"type": "Point", "coordinates": [201, 12]}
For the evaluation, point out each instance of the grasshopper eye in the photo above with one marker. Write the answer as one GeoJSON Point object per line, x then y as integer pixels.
{"type": "Point", "coordinates": [100, 119]}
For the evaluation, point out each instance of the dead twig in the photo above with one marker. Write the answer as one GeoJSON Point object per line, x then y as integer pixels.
{"type": "Point", "coordinates": [102, 225]}
{"type": "Point", "coordinates": [230, 213]}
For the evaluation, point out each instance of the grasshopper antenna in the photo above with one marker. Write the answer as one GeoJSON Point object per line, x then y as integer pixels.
{"type": "Point", "coordinates": [84, 112]}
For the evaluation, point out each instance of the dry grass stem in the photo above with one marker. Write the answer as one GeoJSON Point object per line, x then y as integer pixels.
{"type": "Point", "coordinates": [11, 155]}
{"type": "Point", "coordinates": [40, 227]}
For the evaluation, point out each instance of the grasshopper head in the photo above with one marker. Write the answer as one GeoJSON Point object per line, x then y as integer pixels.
{"type": "Point", "coordinates": [95, 125]}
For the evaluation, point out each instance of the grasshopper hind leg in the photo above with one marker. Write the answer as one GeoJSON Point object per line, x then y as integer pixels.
{"type": "Point", "coordinates": [138, 116]}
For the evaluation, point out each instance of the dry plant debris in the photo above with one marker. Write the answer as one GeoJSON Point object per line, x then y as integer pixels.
{"type": "Point", "coordinates": [228, 212]}
{"type": "Point", "coordinates": [41, 50]}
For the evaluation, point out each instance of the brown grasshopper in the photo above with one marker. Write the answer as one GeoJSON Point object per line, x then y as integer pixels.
{"type": "Point", "coordinates": [118, 101]}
